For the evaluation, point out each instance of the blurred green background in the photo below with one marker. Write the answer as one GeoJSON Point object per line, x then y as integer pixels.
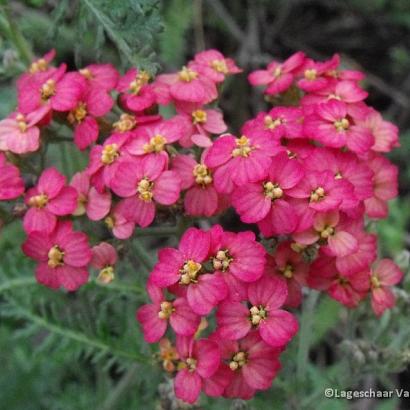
{"type": "Point", "coordinates": [79, 351]}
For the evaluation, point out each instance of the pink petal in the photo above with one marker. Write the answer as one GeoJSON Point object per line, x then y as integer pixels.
{"type": "Point", "coordinates": [220, 152]}
{"type": "Point", "coordinates": [187, 386]}
{"type": "Point", "coordinates": [208, 357]}
{"type": "Point", "coordinates": [342, 243]}
{"type": "Point", "coordinates": [183, 320]}
{"type": "Point", "coordinates": [98, 205]}
{"type": "Point", "coordinates": [41, 220]}
{"type": "Point", "coordinates": [201, 201]}
{"type": "Point", "coordinates": [86, 133]}
{"type": "Point", "coordinates": [152, 326]}
{"type": "Point", "coordinates": [167, 188]}
{"type": "Point", "coordinates": [51, 182]}
{"type": "Point", "coordinates": [268, 291]}
{"type": "Point", "coordinates": [64, 203]}
{"type": "Point", "coordinates": [72, 278]}
{"type": "Point", "coordinates": [233, 321]}
{"type": "Point", "coordinates": [194, 244]}
{"type": "Point", "coordinates": [279, 327]}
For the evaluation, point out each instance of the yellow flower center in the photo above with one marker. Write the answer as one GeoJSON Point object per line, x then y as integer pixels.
{"type": "Point", "coordinates": [375, 282]}
{"type": "Point", "coordinates": [199, 117]}
{"type": "Point", "coordinates": [310, 74]}
{"type": "Point", "coordinates": [78, 113]}
{"type": "Point", "coordinates": [38, 201]}
{"type": "Point", "coordinates": [277, 72]}
{"type": "Point", "coordinates": [48, 89]}
{"type": "Point", "coordinates": [298, 247]}
{"type": "Point", "coordinates": [39, 65]}
{"type": "Point", "coordinates": [21, 123]}
{"type": "Point", "coordinates": [219, 66]}
{"type": "Point", "coordinates": [126, 123]}
{"type": "Point", "coordinates": [202, 175]}
{"type": "Point", "coordinates": [86, 73]}
{"type": "Point", "coordinates": [109, 154]}
{"type": "Point", "coordinates": [326, 232]}
{"type": "Point", "coordinates": [55, 257]}
{"type": "Point", "coordinates": [191, 364]}
{"type": "Point", "coordinates": [271, 123]}
{"type": "Point", "coordinates": [140, 80]}
{"type": "Point", "coordinates": [106, 275]}
{"type": "Point", "coordinates": [272, 191]}
{"type": "Point", "coordinates": [187, 75]}
{"type": "Point", "coordinates": [243, 147]}
{"type": "Point", "coordinates": [222, 260]}
{"type": "Point", "coordinates": [257, 314]}
{"type": "Point", "coordinates": [237, 361]}
{"type": "Point", "coordinates": [317, 195]}
{"type": "Point", "coordinates": [144, 189]}
{"type": "Point", "coordinates": [156, 144]}
{"type": "Point", "coordinates": [109, 222]}
{"type": "Point", "coordinates": [166, 310]}
{"type": "Point", "coordinates": [287, 271]}
{"type": "Point", "coordinates": [342, 124]}
{"type": "Point", "coordinates": [338, 175]}
{"type": "Point", "coordinates": [189, 272]}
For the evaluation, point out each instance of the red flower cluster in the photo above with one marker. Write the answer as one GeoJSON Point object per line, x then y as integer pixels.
{"type": "Point", "coordinates": [309, 172]}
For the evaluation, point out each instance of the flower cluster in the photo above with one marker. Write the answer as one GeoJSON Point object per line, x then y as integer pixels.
{"type": "Point", "coordinates": [309, 172]}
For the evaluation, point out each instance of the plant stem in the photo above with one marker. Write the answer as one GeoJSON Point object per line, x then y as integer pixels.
{"type": "Point", "coordinates": [11, 31]}
{"type": "Point", "coordinates": [305, 335]}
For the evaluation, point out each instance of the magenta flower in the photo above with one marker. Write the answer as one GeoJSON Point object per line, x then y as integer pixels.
{"type": "Point", "coordinates": [89, 201]}
{"type": "Point", "coordinates": [384, 186]}
{"type": "Point", "coordinates": [199, 361]}
{"type": "Point", "coordinates": [331, 125]}
{"type": "Point", "coordinates": [314, 74]}
{"type": "Point", "coordinates": [62, 256]}
{"type": "Point", "coordinates": [104, 258]}
{"type": "Point", "coordinates": [49, 199]}
{"type": "Point", "coordinates": [201, 198]}
{"type": "Point", "coordinates": [184, 266]}
{"type": "Point", "coordinates": [266, 296]}
{"type": "Point", "coordinates": [200, 123]}
{"type": "Point", "coordinates": [214, 65]}
{"type": "Point", "coordinates": [238, 258]}
{"type": "Point", "coordinates": [136, 93]}
{"type": "Point", "coordinates": [38, 68]}
{"type": "Point", "coordinates": [144, 183]}
{"type": "Point", "coordinates": [93, 103]}
{"type": "Point", "coordinates": [121, 227]}
{"type": "Point", "coordinates": [266, 201]}
{"type": "Point", "coordinates": [11, 183]}
{"type": "Point", "coordinates": [20, 133]}
{"type": "Point", "coordinates": [251, 365]}
{"type": "Point", "coordinates": [278, 77]}
{"type": "Point", "coordinates": [100, 76]}
{"type": "Point", "coordinates": [239, 160]}
{"type": "Point", "coordinates": [384, 274]}
{"type": "Point", "coordinates": [56, 90]}
{"type": "Point", "coordinates": [154, 317]}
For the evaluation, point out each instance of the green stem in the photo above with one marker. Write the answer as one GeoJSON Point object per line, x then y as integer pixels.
{"type": "Point", "coordinates": [305, 335]}
{"type": "Point", "coordinates": [12, 32]}
{"type": "Point", "coordinates": [81, 337]}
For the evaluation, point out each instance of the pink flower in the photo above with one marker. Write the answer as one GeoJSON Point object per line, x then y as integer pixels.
{"type": "Point", "coordinates": [239, 160]}
{"type": "Point", "coordinates": [121, 227]}
{"type": "Point", "coordinates": [62, 255]}
{"type": "Point", "coordinates": [89, 201]}
{"type": "Point", "coordinates": [104, 258]}
{"type": "Point", "coordinates": [386, 134]}
{"type": "Point", "coordinates": [20, 134]}
{"type": "Point", "coordinates": [238, 258]}
{"type": "Point", "coordinates": [57, 90]}
{"type": "Point", "coordinates": [189, 86]}
{"type": "Point", "coordinates": [104, 160]}
{"type": "Point", "coordinates": [201, 198]}
{"type": "Point", "coordinates": [278, 76]}
{"type": "Point", "coordinates": [348, 290]}
{"type": "Point", "coordinates": [289, 265]}
{"type": "Point", "coordinates": [154, 138]}
{"type": "Point", "coordinates": [144, 182]}
{"type": "Point", "coordinates": [199, 360]}
{"type": "Point", "coordinates": [93, 102]}
{"type": "Point", "coordinates": [184, 266]}
{"type": "Point", "coordinates": [384, 186]}
{"type": "Point", "coordinates": [314, 74]}
{"type": "Point", "coordinates": [384, 274]}
{"type": "Point", "coordinates": [11, 183]}
{"type": "Point", "coordinates": [327, 232]}
{"type": "Point", "coordinates": [137, 94]}
{"type": "Point", "coordinates": [214, 65]}
{"type": "Point", "coordinates": [154, 317]}
{"type": "Point", "coordinates": [279, 122]}
{"type": "Point", "coordinates": [252, 365]}
{"type": "Point", "coordinates": [331, 125]}
{"type": "Point", "coordinates": [265, 201]}
{"type": "Point", "coordinates": [266, 296]}
{"type": "Point", "coordinates": [100, 76]}
{"type": "Point", "coordinates": [49, 199]}
{"type": "Point", "coordinates": [200, 123]}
